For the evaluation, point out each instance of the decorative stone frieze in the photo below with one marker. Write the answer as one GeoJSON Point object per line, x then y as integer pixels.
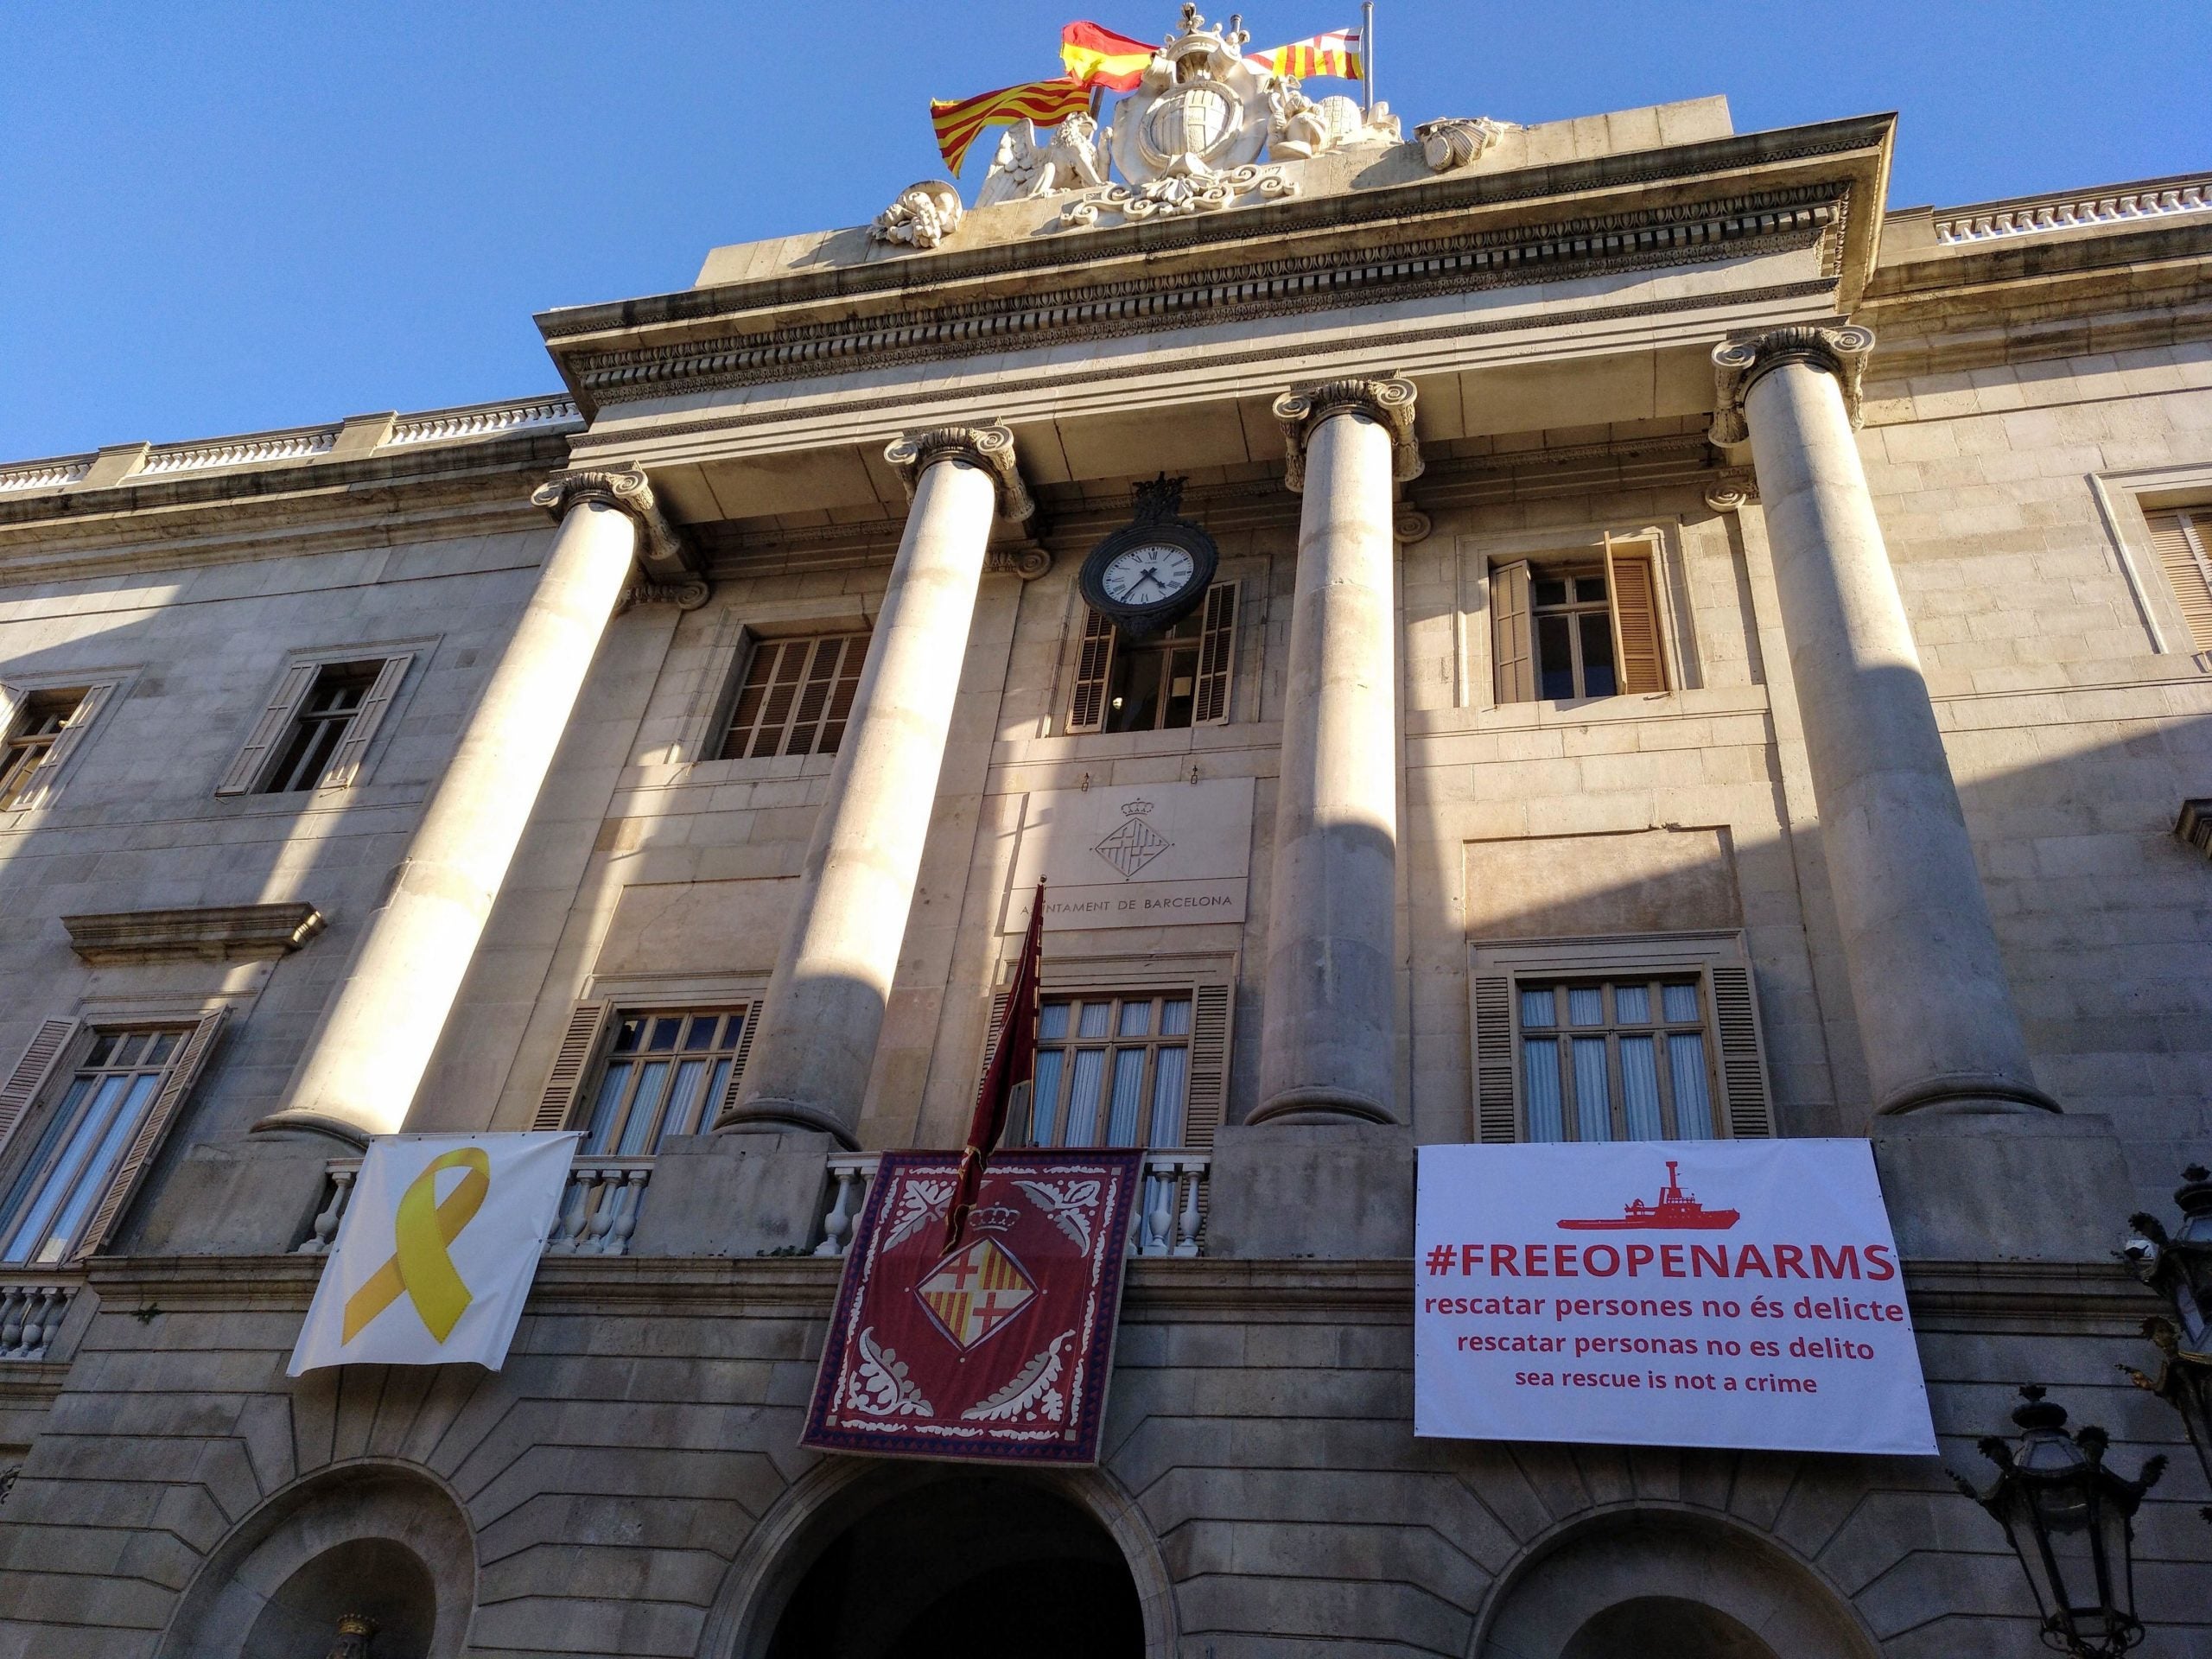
{"type": "Point", "coordinates": [1196, 190]}
{"type": "Point", "coordinates": [987, 448]}
{"type": "Point", "coordinates": [204, 933]}
{"type": "Point", "coordinates": [1840, 349]}
{"type": "Point", "coordinates": [665, 552]}
{"type": "Point", "coordinates": [923, 216]}
{"type": "Point", "coordinates": [1456, 141]}
{"type": "Point", "coordinates": [1388, 404]}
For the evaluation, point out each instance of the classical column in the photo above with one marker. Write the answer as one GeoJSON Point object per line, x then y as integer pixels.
{"type": "Point", "coordinates": [1935, 1014]}
{"type": "Point", "coordinates": [815, 1042]}
{"type": "Point", "coordinates": [360, 1071]}
{"type": "Point", "coordinates": [1328, 1050]}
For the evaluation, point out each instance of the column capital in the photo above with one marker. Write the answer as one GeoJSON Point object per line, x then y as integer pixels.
{"type": "Point", "coordinates": [987, 448]}
{"type": "Point", "coordinates": [1389, 403]}
{"type": "Point", "coordinates": [1839, 349]}
{"type": "Point", "coordinates": [665, 552]}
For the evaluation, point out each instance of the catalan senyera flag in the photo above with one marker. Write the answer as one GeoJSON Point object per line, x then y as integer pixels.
{"type": "Point", "coordinates": [1099, 57]}
{"type": "Point", "coordinates": [1048, 102]}
{"type": "Point", "coordinates": [1334, 53]}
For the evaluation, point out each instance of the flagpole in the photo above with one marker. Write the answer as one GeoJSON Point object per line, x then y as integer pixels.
{"type": "Point", "coordinates": [1367, 56]}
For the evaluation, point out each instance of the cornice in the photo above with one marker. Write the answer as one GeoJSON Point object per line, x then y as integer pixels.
{"type": "Point", "coordinates": [207, 932]}
{"type": "Point", "coordinates": [1449, 198]}
{"type": "Point", "coordinates": [2101, 1300]}
{"type": "Point", "coordinates": [978, 392]}
{"type": "Point", "coordinates": [1284, 284]}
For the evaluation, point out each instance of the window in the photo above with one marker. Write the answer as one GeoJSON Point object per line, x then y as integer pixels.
{"type": "Point", "coordinates": [1111, 1070]}
{"type": "Point", "coordinates": [795, 696]}
{"type": "Point", "coordinates": [1650, 1037]}
{"type": "Point", "coordinates": [39, 731]}
{"type": "Point", "coordinates": [1615, 1060]}
{"type": "Point", "coordinates": [315, 732]}
{"type": "Point", "coordinates": [31, 738]}
{"type": "Point", "coordinates": [2184, 543]}
{"type": "Point", "coordinates": [1176, 679]}
{"type": "Point", "coordinates": [666, 1073]}
{"type": "Point", "coordinates": [1577, 627]}
{"type": "Point", "coordinates": [87, 1150]}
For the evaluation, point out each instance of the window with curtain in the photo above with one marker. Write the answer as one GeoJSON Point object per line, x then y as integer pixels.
{"type": "Point", "coordinates": [664, 1073]}
{"type": "Point", "coordinates": [1112, 1070]}
{"type": "Point", "coordinates": [1616, 1059]}
{"type": "Point", "coordinates": [57, 1189]}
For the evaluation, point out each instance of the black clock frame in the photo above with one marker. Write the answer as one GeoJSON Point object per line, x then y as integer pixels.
{"type": "Point", "coordinates": [1142, 622]}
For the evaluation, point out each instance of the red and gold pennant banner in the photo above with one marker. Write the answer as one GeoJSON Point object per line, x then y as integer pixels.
{"type": "Point", "coordinates": [959, 121]}
{"type": "Point", "coordinates": [999, 1349]}
{"type": "Point", "coordinates": [1336, 53]}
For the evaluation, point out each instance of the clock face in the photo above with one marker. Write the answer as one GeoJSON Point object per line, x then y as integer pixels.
{"type": "Point", "coordinates": [1148, 574]}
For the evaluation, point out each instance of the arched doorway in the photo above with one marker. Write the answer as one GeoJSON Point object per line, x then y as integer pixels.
{"type": "Point", "coordinates": [1664, 1627]}
{"type": "Point", "coordinates": [964, 1561]}
{"type": "Point", "coordinates": [369, 1540]}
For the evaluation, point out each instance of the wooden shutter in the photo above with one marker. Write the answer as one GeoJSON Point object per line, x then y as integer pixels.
{"type": "Point", "coordinates": [1498, 1119]}
{"type": "Point", "coordinates": [1743, 1072]}
{"type": "Point", "coordinates": [361, 732]}
{"type": "Point", "coordinates": [1512, 649]}
{"type": "Point", "coordinates": [1207, 1089]}
{"type": "Point", "coordinates": [47, 778]}
{"type": "Point", "coordinates": [2184, 541]}
{"type": "Point", "coordinates": [31, 1073]}
{"type": "Point", "coordinates": [1217, 656]}
{"type": "Point", "coordinates": [571, 1064]}
{"type": "Point", "coordinates": [1630, 579]}
{"type": "Point", "coordinates": [185, 1067]}
{"type": "Point", "coordinates": [10, 701]}
{"type": "Point", "coordinates": [1094, 667]}
{"type": "Point", "coordinates": [245, 771]}
{"type": "Point", "coordinates": [737, 1064]}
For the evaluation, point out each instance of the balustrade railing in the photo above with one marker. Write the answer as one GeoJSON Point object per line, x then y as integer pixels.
{"type": "Point", "coordinates": [31, 1316]}
{"type": "Point", "coordinates": [599, 1206]}
{"type": "Point", "coordinates": [1170, 1220]}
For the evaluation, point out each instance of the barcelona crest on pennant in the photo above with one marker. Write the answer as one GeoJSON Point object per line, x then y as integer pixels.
{"type": "Point", "coordinates": [999, 1349]}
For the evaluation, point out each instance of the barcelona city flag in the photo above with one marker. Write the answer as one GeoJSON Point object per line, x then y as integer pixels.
{"type": "Point", "coordinates": [1336, 53]}
{"type": "Point", "coordinates": [1099, 57]}
{"type": "Point", "coordinates": [958, 121]}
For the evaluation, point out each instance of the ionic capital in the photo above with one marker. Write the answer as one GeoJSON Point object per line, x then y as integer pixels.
{"type": "Point", "coordinates": [1388, 404]}
{"type": "Point", "coordinates": [664, 553]}
{"type": "Point", "coordinates": [1839, 349]}
{"type": "Point", "coordinates": [987, 448]}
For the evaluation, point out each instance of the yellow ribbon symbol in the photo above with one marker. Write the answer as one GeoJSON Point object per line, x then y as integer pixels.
{"type": "Point", "coordinates": [420, 1266]}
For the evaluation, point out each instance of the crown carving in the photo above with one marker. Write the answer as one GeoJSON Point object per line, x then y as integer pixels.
{"type": "Point", "coordinates": [994, 1218]}
{"type": "Point", "coordinates": [1130, 809]}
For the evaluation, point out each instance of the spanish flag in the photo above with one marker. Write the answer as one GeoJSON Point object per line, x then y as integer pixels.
{"type": "Point", "coordinates": [958, 121]}
{"type": "Point", "coordinates": [1099, 57]}
{"type": "Point", "coordinates": [1334, 53]}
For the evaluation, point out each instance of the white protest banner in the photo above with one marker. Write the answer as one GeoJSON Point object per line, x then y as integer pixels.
{"type": "Point", "coordinates": [436, 1254]}
{"type": "Point", "coordinates": [1740, 1294]}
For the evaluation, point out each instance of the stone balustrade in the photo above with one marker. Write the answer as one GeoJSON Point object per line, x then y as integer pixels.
{"type": "Point", "coordinates": [1171, 1219]}
{"type": "Point", "coordinates": [31, 1312]}
{"type": "Point", "coordinates": [598, 1215]}
{"type": "Point", "coordinates": [1992, 220]}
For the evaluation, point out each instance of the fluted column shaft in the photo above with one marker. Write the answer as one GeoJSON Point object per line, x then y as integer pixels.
{"type": "Point", "coordinates": [366, 1060]}
{"type": "Point", "coordinates": [1934, 1011]}
{"type": "Point", "coordinates": [1328, 1046]}
{"type": "Point", "coordinates": [815, 1043]}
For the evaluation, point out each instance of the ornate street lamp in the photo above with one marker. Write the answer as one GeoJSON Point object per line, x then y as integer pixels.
{"type": "Point", "coordinates": [2179, 1269]}
{"type": "Point", "coordinates": [2071, 1520]}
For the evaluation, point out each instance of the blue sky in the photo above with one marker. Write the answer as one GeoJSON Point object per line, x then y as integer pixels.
{"type": "Point", "coordinates": [217, 219]}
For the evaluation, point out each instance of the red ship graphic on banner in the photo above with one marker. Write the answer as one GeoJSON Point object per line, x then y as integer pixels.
{"type": "Point", "coordinates": [1676, 1211]}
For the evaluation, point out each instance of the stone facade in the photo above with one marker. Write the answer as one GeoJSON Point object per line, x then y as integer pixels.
{"type": "Point", "coordinates": [1924, 705]}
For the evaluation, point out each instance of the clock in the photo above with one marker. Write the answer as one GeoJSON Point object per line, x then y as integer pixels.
{"type": "Point", "coordinates": [1150, 574]}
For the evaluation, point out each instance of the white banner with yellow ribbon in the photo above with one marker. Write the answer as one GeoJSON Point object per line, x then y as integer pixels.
{"type": "Point", "coordinates": [434, 1257]}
